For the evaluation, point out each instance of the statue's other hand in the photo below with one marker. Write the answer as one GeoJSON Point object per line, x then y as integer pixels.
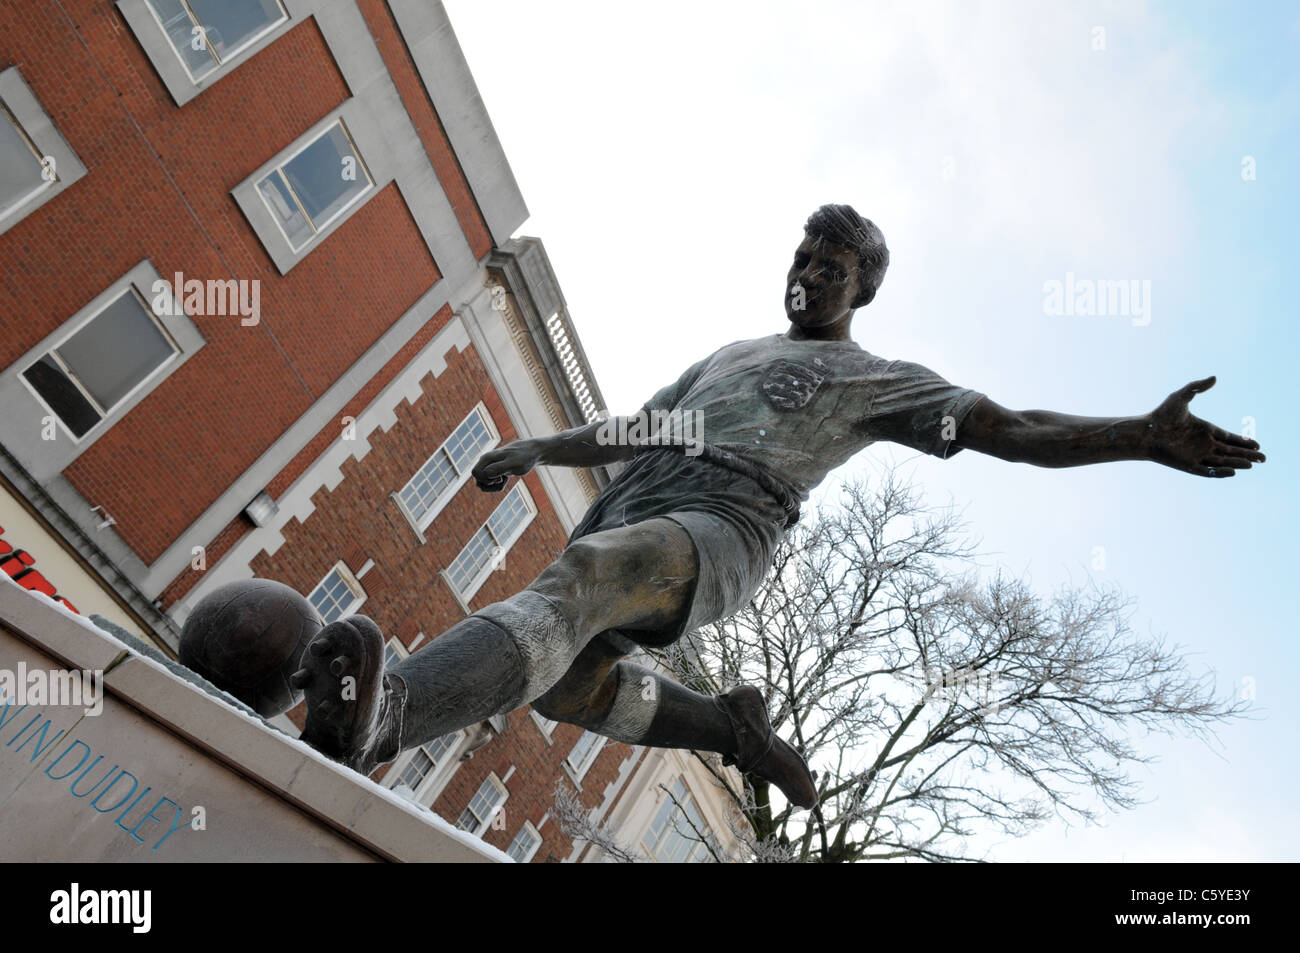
{"type": "Point", "coordinates": [496, 467]}
{"type": "Point", "coordinates": [1179, 440]}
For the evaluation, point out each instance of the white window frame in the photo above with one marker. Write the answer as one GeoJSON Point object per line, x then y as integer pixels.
{"type": "Point", "coordinates": [485, 822]}
{"type": "Point", "coordinates": [537, 841]}
{"type": "Point", "coordinates": [20, 429]}
{"type": "Point", "coordinates": [19, 104]}
{"type": "Point", "coordinates": [105, 413]}
{"type": "Point", "coordinates": [353, 584]}
{"type": "Point", "coordinates": [37, 158]}
{"type": "Point", "coordinates": [322, 228]}
{"type": "Point", "coordinates": [449, 493]}
{"type": "Point", "coordinates": [545, 725]}
{"type": "Point", "coordinates": [147, 26]}
{"type": "Point", "coordinates": [579, 771]}
{"type": "Point", "coordinates": [232, 55]}
{"type": "Point", "coordinates": [667, 807]}
{"type": "Point", "coordinates": [374, 155]}
{"type": "Point", "coordinates": [436, 780]}
{"type": "Point", "coordinates": [503, 547]}
{"type": "Point", "coordinates": [398, 648]}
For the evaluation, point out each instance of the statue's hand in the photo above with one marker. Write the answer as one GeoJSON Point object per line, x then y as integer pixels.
{"type": "Point", "coordinates": [1187, 443]}
{"type": "Point", "coordinates": [495, 467]}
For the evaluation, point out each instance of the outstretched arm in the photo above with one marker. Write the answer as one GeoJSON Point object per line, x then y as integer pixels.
{"type": "Point", "coordinates": [580, 447]}
{"type": "Point", "coordinates": [1169, 435]}
{"type": "Point", "coordinates": [592, 445]}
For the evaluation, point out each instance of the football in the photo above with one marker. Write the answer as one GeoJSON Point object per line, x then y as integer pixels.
{"type": "Point", "coordinates": [246, 637]}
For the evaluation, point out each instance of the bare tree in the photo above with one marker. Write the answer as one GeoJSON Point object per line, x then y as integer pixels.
{"type": "Point", "coordinates": [933, 705]}
{"type": "Point", "coordinates": [576, 822]}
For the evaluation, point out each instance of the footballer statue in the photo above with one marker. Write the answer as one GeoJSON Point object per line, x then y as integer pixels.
{"type": "Point", "coordinates": [680, 539]}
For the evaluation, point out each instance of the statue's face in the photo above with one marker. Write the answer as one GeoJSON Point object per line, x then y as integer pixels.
{"type": "Point", "coordinates": [822, 284]}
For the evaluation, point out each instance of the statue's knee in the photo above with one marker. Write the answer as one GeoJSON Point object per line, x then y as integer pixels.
{"type": "Point", "coordinates": [559, 706]}
{"type": "Point", "coordinates": [582, 557]}
{"type": "Point", "coordinates": [572, 570]}
{"type": "Point", "coordinates": [576, 702]}
{"type": "Point", "coordinates": [548, 706]}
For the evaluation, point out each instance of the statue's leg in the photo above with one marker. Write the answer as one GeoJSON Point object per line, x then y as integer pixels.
{"type": "Point", "coordinates": [513, 651]}
{"type": "Point", "coordinates": [537, 646]}
{"type": "Point", "coordinates": [627, 702]}
{"type": "Point", "coordinates": [619, 699]}
{"type": "Point", "coordinates": [504, 655]}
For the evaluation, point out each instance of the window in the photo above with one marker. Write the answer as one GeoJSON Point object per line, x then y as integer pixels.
{"type": "Point", "coordinates": [483, 552]}
{"type": "Point", "coordinates": [23, 171]}
{"type": "Point", "coordinates": [443, 474]}
{"type": "Point", "coordinates": [525, 844]}
{"type": "Point", "coordinates": [36, 162]}
{"type": "Point", "coordinates": [125, 342]}
{"type": "Point", "coordinates": [337, 595]}
{"type": "Point", "coordinates": [427, 761]}
{"type": "Point", "coordinates": [544, 724]}
{"type": "Point", "coordinates": [671, 838]}
{"type": "Point", "coordinates": [584, 754]}
{"type": "Point", "coordinates": [298, 196]}
{"type": "Point", "coordinates": [394, 652]}
{"type": "Point", "coordinates": [206, 33]}
{"type": "Point", "coordinates": [483, 806]}
{"type": "Point", "coordinates": [195, 43]}
{"type": "Point", "coordinates": [315, 185]}
{"type": "Point", "coordinates": [98, 366]}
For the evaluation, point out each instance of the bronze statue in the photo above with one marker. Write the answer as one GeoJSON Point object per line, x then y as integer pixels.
{"type": "Point", "coordinates": [684, 535]}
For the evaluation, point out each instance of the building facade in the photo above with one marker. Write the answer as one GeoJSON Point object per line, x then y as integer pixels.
{"type": "Point", "coordinates": [263, 307]}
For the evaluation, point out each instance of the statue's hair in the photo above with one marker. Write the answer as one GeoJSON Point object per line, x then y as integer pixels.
{"type": "Point", "coordinates": [841, 225]}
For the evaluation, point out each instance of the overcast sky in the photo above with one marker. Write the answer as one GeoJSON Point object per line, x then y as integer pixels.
{"type": "Point", "coordinates": [671, 152]}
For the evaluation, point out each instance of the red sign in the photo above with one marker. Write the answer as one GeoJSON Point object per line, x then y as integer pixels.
{"type": "Point", "coordinates": [19, 566]}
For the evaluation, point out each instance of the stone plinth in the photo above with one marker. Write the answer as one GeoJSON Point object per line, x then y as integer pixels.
{"type": "Point", "coordinates": [130, 776]}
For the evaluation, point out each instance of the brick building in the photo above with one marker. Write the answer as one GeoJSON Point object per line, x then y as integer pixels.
{"type": "Point", "coordinates": [261, 310]}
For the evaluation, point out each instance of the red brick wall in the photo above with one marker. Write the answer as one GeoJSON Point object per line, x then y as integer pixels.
{"type": "Point", "coordinates": [407, 595]}
{"type": "Point", "coordinates": [318, 444]}
{"type": "Point", "coordinates": [158, 188]}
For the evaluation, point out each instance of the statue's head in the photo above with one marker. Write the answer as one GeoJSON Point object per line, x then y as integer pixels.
{"type": "Point", "coordinates": [837, 267]}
